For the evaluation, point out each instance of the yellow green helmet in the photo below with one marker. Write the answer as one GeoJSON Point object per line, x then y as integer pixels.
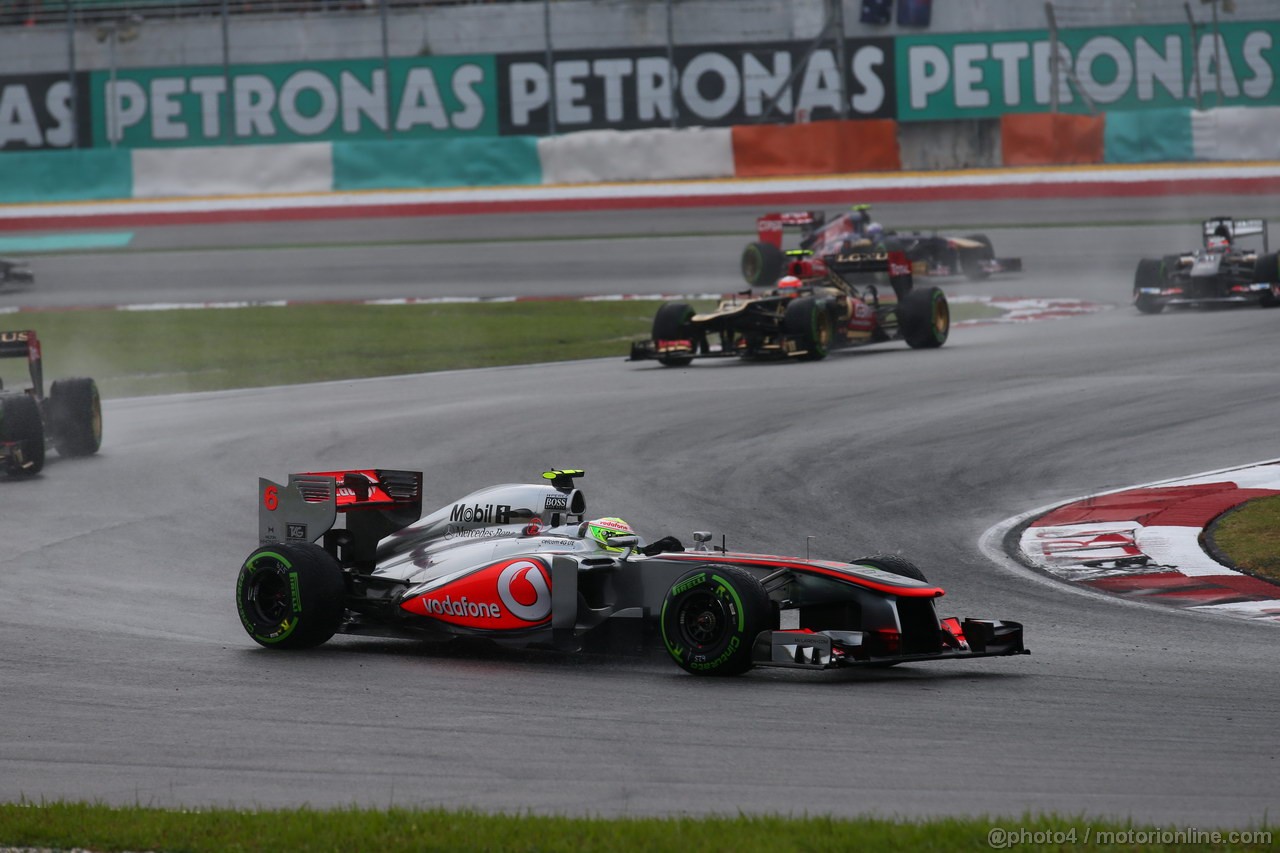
{"type": "Point", "coordinates": [604, 529]}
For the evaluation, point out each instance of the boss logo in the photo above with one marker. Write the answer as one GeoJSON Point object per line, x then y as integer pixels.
{"type": "Point", "coordinates": [557, 502]}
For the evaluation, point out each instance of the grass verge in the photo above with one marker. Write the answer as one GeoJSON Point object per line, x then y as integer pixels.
{"type": "Point", "coordinates": [136, 353]}
{"type": "Point", "coordinates": [1249, 536]}
{"type": "Point", "coordinates": [70, 825]}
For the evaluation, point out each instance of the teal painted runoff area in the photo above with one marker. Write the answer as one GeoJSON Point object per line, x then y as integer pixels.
{"type": "Point", "coordinates": [81, 174]}
{"type": "Point", "coordinates": [65, 242]}
{"type": "Point", "coordinates": [464, 162]}
{"type": "Point", "coordinates": [1148, 136]}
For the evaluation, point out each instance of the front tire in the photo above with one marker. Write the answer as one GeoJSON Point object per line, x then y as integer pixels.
{"type": "Point", "coordinates": [673, 323]}
{"type": "Point", "coordinates": [20, 424]}
{"type": "Point", "coordinates": [1267, 269]}
{"type": "Point", "coordinates": [75, 416]}
{"type": "Point", "coordinates": [925, 318]}
{"type": "Point", "coordinates": [1150, 274]}
{"type": "Point", "coordinates": [762, 264]}
{"type": "Point", "coordinates": [808, 320]}
{"type": "Point", "coordinates": [290, 595]}
{"type": "Point", "coordinates": [710, 619]}
{"type": "Point", "coordinates": [894, 564]}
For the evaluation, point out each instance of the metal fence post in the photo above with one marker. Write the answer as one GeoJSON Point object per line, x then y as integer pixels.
{"type": "Point", "coordinates": [386, 66]}
{"type": "Point", "coordinates": [551, 69]}
{"type": "Point", "coordinates": [228, 105]}
{"type": "Point", "coordinates": [71, 75]}
{"type": "Point", "coordinates": [671, 68]}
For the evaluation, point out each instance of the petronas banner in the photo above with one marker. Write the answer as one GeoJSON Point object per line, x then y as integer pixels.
{"type": "Point", "coordinates": [295, 102]}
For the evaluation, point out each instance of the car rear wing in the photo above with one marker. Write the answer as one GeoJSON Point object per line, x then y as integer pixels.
{"type": "Point", "coordinates": [378, 501]}
{"type": "Point", "coordinates": [894, 263]}
{"type": "Point", "coordinates": [769, 227]}
{"type": "Point", "coordinates": [24, 343]}
{"type": "Point", "coordinates": [1233, 228]}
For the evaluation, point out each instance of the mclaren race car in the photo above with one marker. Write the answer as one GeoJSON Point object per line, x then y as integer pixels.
{"type": "Point", "coordinates": [822, 304]}
{"type": "Point", "coordinates": [1221, 272]}
{"type": "Point", "coordinates": [524, 566]}
{"type": "Point", "coordinates": [764, 260]}
{"type": "Point", "coordinates": [69, 419]}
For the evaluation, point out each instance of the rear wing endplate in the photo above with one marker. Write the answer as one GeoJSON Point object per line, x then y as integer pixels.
{"type": "Point", "coordinates": [307, 506]}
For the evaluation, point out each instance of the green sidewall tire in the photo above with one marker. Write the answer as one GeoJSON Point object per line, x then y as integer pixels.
{"type": "Point", "coordinates": [710, 618]}
{"type": "Point", "coordinates": [672, 322]}
{"type": "Point", "coordinates": [290, 595]}
{"type": "Point", "coordinates": [894, 564]}
{"type": "Point", "coordinates": [809, 321]}
{"type": "Point", "coordinates": [75, 409]}
{"type": "Point", "coordinates": [762, 264]}
{"type": "Point", "coordinates": [925, 318]}
{"type": "Point", "coordinates": [20, 421]}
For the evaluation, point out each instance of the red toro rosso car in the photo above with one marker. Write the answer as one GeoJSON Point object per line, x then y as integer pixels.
{"type": "Point", "coordinates": [822, 304]}
{"type": "Point", "coordinates": [524, 565]}
{"type": "Point", "coordinates": [69, 419]}
{"type": "Point", "coordinates": [765, 259]}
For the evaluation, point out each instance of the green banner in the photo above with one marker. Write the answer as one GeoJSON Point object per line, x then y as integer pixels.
{"type": "Point", "coordinates": [985, 75]}
{"type": "Point", "coordinates": [406, 164]}
{"type": "Point", "coordinates": [295, 102]}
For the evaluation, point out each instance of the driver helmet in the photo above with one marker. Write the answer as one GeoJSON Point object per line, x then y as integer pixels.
{"type": "Point", "coordinates": [875, 231]}
{"type": "Point", "coordinates": [604, 529]}
{"type": "Point", "coordinates": [1218, 244]}
{"type": "Point", "coordinates": [788, 281]}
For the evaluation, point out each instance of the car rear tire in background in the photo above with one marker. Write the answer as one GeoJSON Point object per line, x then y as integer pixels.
{"type": "Point", "coordinates": [1267, 269]}
{"type": "Point", "coordinates": [925, 318]}
{"type": "Point", "coordinates": [808, 320]}
{"type": "Point", "coordinates": [710, 618]}
{"type": "Point", "coordinates": [290, 595]}
{"type": "Point", "coordinates": [672, 323]}
{"type": "Point", "coordinates": [1150, 273]}
{"type": "Point", "coordinates": [762, 264]}
{"type": "Point", "coordinates": [894, 564]}
{"type": "Point", "coordinates": [20, 422]}
{"type": "Point", "coordinates": [75, 416]}
{"type": "Point", "coordinates": [971, 259]}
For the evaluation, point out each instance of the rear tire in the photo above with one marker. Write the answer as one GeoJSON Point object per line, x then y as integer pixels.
{"type": "Point", "coordinates": [925, 318]}
{"type": "Point", "coordinates": [1267, 269]}
{"type": "Point", "coordinates": [710, 618]}
{"type": "Point", "coordinates": [290, 595]}
{"type": "Point", "coordinates": [762, 264]}
{"type": "Point", "coordinates": [20, 422]}
{"type": "Point", "coordinates": [672, 322]}
{"type": "Point", "coordinates": [808, 320]}
{"type": "Point", "coordinates": [75, 417]}
{"type": "Point", "coordinates": [894, 564]}
{"type": "Point", "coordinates": [1150, 273]}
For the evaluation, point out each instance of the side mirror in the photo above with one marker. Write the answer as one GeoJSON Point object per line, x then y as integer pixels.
{"type": "Point", "coordinates": [627, 542]}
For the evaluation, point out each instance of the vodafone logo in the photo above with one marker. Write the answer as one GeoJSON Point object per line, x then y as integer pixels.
{"type": "Point", "coordinates": [524, 591]}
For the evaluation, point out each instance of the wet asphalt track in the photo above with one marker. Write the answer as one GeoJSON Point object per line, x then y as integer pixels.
{"type": "Point", "coordinates": [127, 678]}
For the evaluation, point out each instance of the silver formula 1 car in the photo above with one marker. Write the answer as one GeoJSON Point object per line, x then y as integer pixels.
{"type": "Point", "coordinates": [1221, 272]}
{"type": "Point", "coordinates": [520, 564]}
